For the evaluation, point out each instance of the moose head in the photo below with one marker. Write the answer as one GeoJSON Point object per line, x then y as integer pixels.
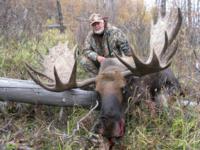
{"type": "Point", "coordinates": [111, 78]}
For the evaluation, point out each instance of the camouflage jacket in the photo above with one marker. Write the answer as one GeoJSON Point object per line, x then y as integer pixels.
{"type": "Point", "coordinates": [113, 39]}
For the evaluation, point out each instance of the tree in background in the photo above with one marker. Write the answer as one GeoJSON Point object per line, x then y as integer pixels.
{"type": "Point", "coordinates": [191, 15]}
{"type": "Point", "coordinates": [20, 17]}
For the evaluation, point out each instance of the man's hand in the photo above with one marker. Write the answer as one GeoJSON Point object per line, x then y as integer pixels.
{"type": "Point", "coordinates": [100, 59]}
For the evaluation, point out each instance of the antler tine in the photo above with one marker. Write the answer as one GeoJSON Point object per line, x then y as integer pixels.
{"type": "Point", "coordinates": [168, 41]}
{"type": "Point", "coordinates": [58, 82]}
{"type": "Point", "coordinates": [28, 67]}
{"type": "Point", "coordinates": [132, 69]}
{"type": "Point", "coordinates": [142, 68]}
{"type": "Point", "coordinates": [60, 86]}
{"type": "Point", "coordinates": [170, 24]}
{"type": "Point", "coordinates": [178, 25]}
{"type": "Point", "coordinates": [168, 58]}
{"type": "Point", "coordinates": [175, 30]}
{"type": "Point", "coordinates": [34, 78]}
{"type": "Point", "coordinates": [152, 65]}
{"type": "Point", "coordinates": [165, 46]}
{"type": "Point", "coordinates": [157, 53]}
{"type": "Point", "coordinates": [164, 50]}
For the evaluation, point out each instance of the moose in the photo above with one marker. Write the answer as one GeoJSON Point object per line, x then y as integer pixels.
{"type": "Point", "coordinates": [113, 72]}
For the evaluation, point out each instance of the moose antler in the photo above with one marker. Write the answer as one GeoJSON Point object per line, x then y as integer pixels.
{"type": "Point", "coordinates": [58, 85]}
{"type": "Point", "coordinates": [163, 32]}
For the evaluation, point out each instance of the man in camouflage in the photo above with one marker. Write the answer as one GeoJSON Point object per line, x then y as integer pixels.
{"type": "Point", "coordinates": [101, 42]}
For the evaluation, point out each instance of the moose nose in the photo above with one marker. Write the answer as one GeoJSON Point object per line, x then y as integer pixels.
{"type": "Point", "coordinates": [119, 129]}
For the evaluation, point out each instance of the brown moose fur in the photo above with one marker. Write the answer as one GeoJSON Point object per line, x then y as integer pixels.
{"type": "Point", "coordinates": [110, 82]}
{"type": "Point", "coordinates": [109, 85]}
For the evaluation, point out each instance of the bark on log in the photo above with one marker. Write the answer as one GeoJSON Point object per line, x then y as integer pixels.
{"type": "Point", "coordinates": [27, 91]}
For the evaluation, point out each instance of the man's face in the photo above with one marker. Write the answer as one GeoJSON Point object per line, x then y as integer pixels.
{"type": "Point", "coordinates": [98, 27]}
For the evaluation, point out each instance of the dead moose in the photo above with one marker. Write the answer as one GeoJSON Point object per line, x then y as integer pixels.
{"type": "Point", "coordinates": [113, 72]}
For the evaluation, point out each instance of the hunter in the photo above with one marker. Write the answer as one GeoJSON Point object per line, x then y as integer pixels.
{"type": "Point", "coordinates": [100, 43]}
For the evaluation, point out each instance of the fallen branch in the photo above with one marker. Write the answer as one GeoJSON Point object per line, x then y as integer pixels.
{"type": "Point", "coordinates": [83, 118]}
{"type": "Point", "coordinates": [26, 91]}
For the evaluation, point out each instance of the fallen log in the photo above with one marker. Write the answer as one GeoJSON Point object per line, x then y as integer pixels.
{"type": "Point", "coordinates": [26, 91]}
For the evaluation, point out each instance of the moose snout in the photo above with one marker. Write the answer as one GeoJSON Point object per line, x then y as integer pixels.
{"type": "Point", "coordinates": [109, 127]}
{"type": "Point", "coordinates": [110, 123]}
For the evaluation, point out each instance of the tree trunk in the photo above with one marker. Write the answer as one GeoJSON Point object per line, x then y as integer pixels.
{"type": "Point", "coordinates": [189, 13]}
{"type": "Point", "coordinates": [60, 17]}
{"type": "Point", "coordinates": [163, 7]}
{"type": "Point", "coordinates": [26, 91]}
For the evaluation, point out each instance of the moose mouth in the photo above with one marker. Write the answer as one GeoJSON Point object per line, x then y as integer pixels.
{"type": "Point", "coordinates": [112, 128]}
{"type": "Point", "coordinates": [111, 122]}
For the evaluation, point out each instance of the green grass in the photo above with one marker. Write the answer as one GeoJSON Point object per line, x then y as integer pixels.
{"type": "Point", "coordinates": [15, 53]}
{"type": "Point", "coordinates": [176, 128]}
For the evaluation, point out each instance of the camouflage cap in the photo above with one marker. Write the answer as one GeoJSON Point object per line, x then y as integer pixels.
{"type": "Point", "coordinates": [95, 18]}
